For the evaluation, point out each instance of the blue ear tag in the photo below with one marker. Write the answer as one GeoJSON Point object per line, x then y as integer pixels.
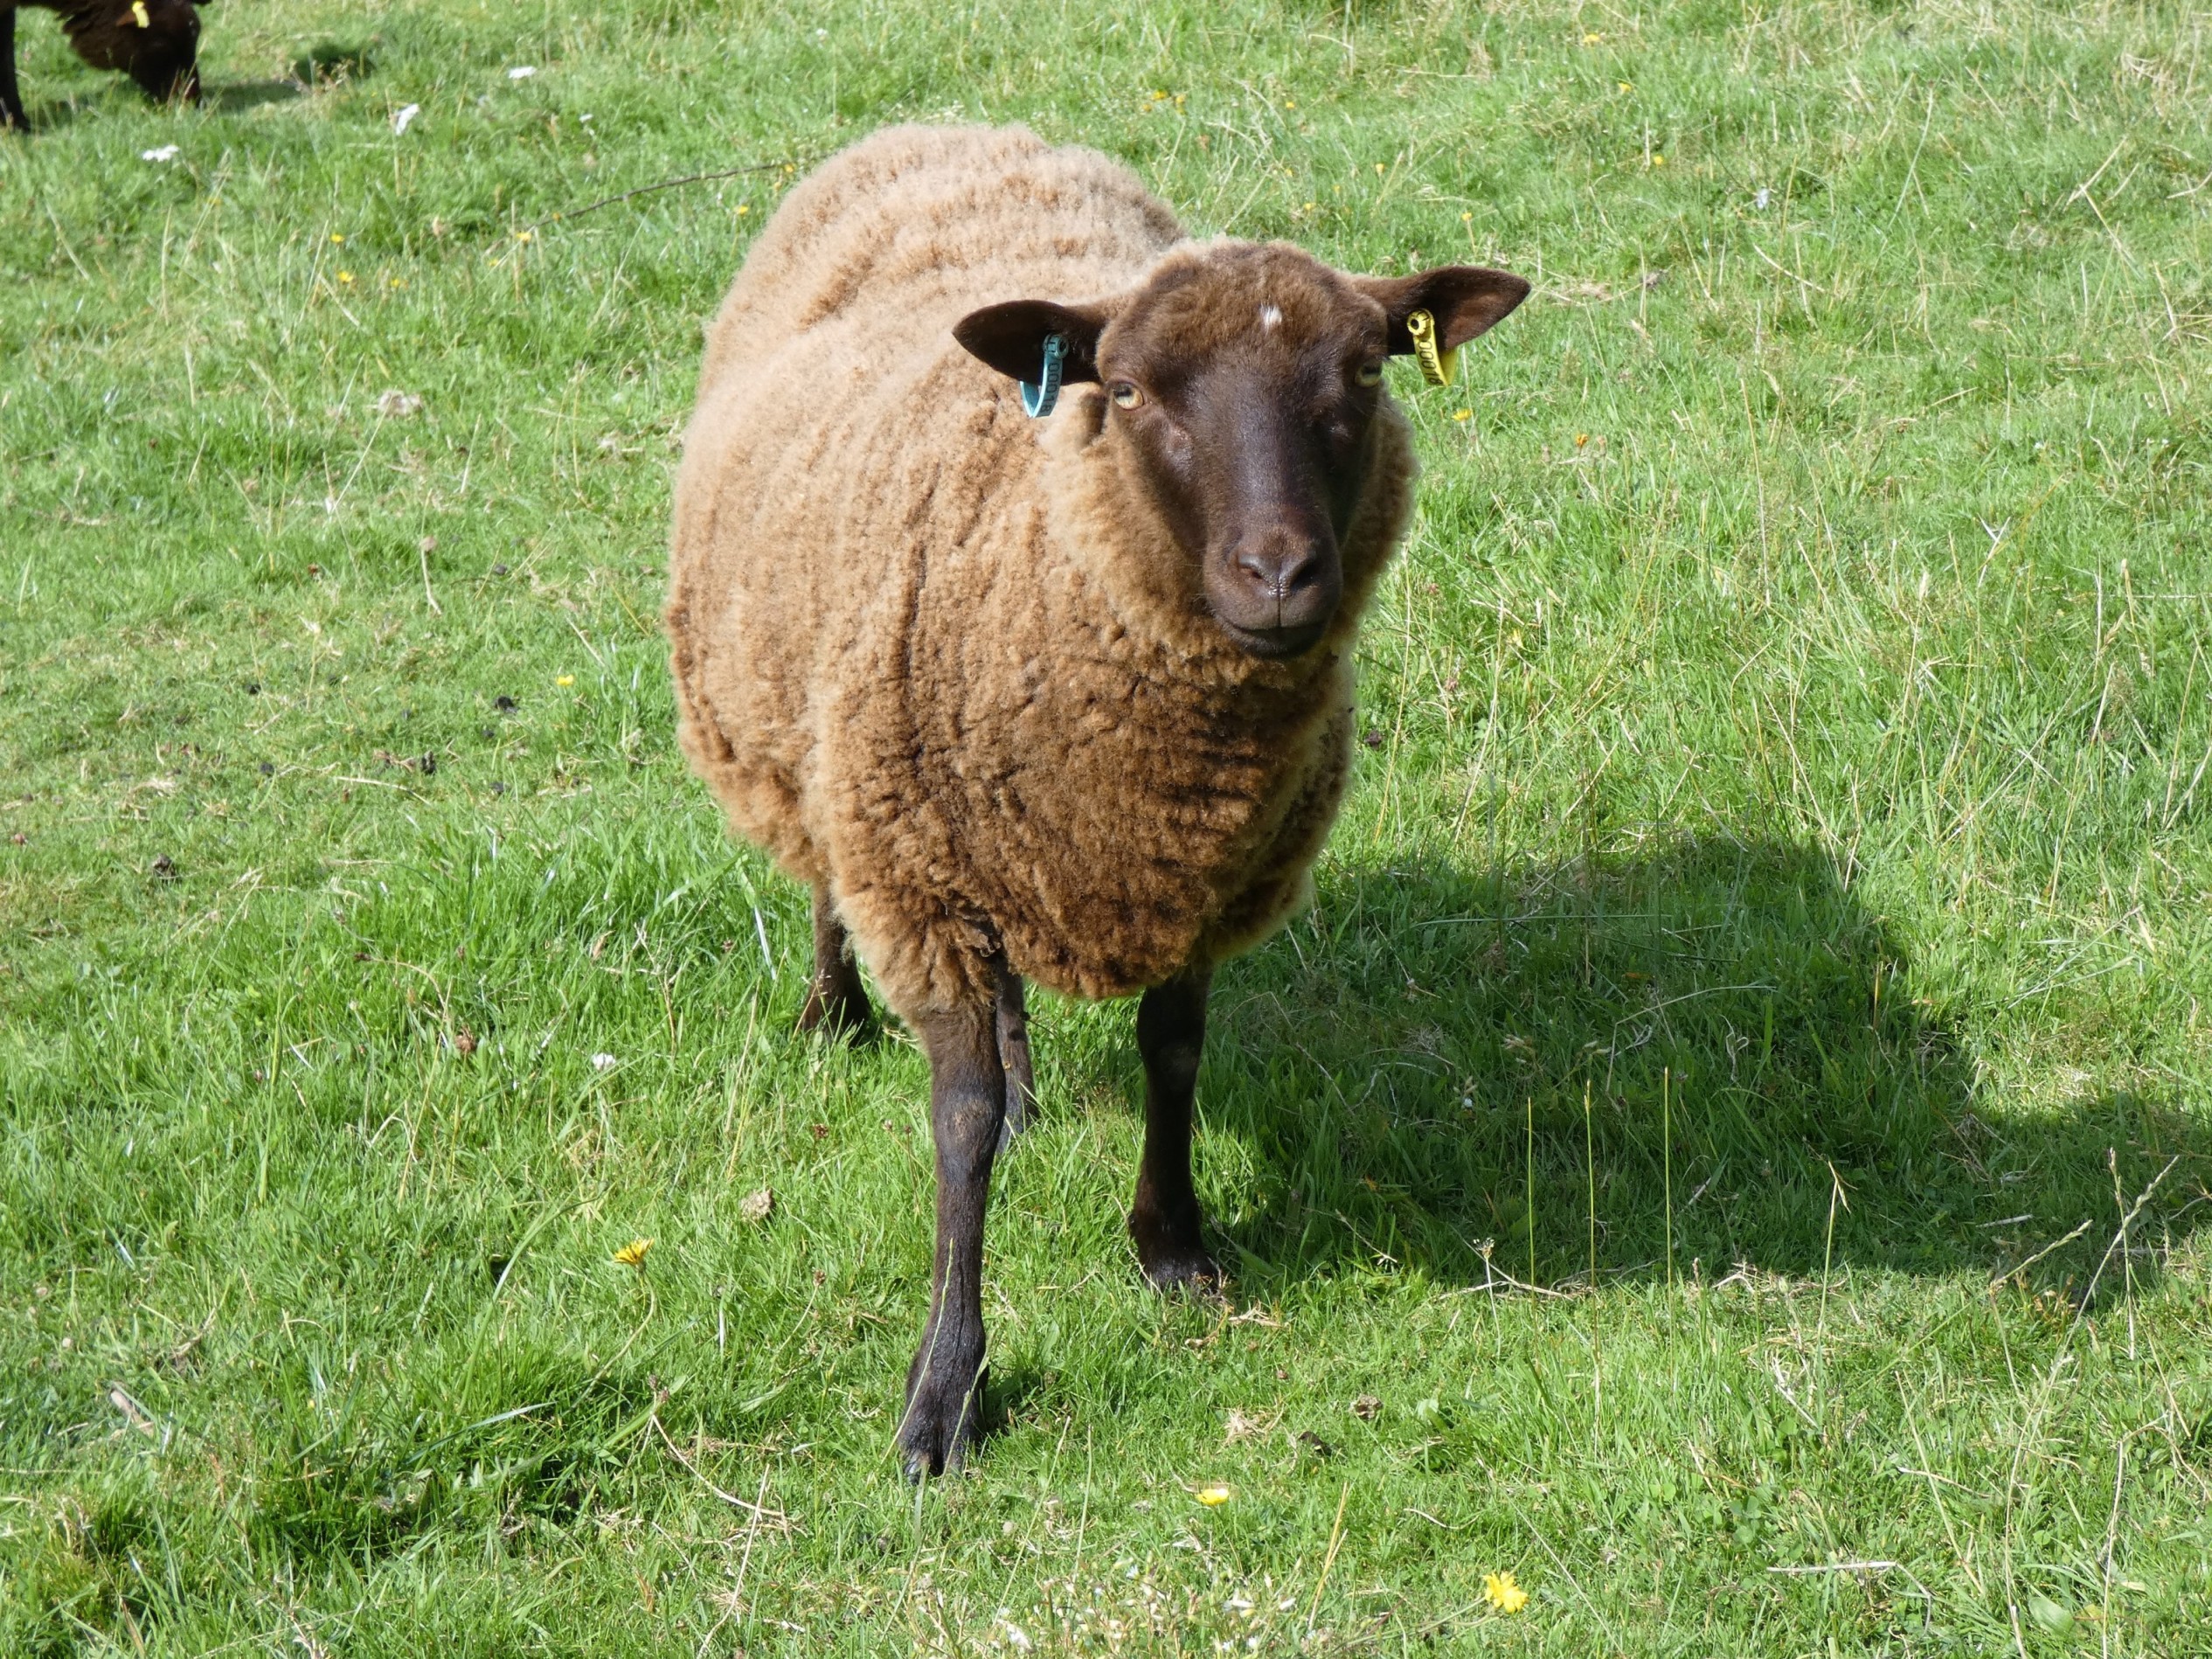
{"type": "Point", "coordinates": [1039, 397]}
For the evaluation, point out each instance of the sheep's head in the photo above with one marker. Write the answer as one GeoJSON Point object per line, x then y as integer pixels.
{"type": "Point", "coordinates": [154, 42]}
{"type": "Point", "coordinates": [1246, 380]}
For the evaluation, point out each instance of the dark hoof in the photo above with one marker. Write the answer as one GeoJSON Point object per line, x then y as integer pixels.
{"type": "Point", "coordinates": [1191, 1270]}
{"type": "Point", "coordinates": [943, 1423]}
{"type": "Point", "coordinates": [1174, 1259]}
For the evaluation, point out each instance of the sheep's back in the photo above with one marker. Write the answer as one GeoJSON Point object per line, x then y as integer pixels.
{"type": "Point", "coordinates": [906, 231]}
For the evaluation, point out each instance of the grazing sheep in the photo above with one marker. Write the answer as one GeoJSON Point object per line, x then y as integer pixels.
{"type": "Point", "coordinates": [1070, 699]}
{"type": "Point", "coordinates": [154, 42]}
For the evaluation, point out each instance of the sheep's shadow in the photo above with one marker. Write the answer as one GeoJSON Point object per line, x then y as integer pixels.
{"type": "Point", "coordinates": [240, 95]}
{"type": "Point", "coordinates": [1406, 1071]}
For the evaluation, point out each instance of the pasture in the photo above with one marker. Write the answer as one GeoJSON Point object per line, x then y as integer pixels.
{"type": "Point", "coordinates": [1727, 1146]}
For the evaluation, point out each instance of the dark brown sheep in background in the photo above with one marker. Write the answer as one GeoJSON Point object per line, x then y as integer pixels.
{"type": "Point", "coordinates": [1068, 699]}
{"type": "Point", "coordinates": [154, 42]}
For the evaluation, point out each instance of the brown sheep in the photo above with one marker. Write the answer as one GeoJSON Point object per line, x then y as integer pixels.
{"type": "Point", "coordinates": [1070, 699]}
{"type": "Point", "coordinates": [154, 42]}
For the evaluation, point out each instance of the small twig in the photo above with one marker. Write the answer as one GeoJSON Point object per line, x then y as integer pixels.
{"type": "Point", "coordinates": [668, 183]}
{"type": "Point", "coordinates": [774, 1517]}
{"type": "Point", "coordinates": [2013, 1272]}
{"type": "Point", "coordinates": [1335, 1538]}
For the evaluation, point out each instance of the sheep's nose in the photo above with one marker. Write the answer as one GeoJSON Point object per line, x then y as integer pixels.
{"type": "Point", "coordinates": [1282, 585]}
{"type": "Point", "coordinates": [1281, 567]}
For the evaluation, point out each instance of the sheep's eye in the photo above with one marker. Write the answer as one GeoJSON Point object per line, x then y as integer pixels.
{"type": "Point", "coordinates": [1370, 373]}
{"type": "Point", "coordinates": [1126, 396]}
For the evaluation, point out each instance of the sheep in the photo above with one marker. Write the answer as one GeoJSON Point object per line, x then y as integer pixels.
{"type": "Point", "coordinates": [154, 42]}
{"type": "Point", "coordinates": [1065, 700]}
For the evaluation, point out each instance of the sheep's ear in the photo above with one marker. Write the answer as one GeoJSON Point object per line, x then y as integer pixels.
{"type": "Point", "coordinates": [1010, 338]}
{"type": "Point", "coordinates": [1463, 299]}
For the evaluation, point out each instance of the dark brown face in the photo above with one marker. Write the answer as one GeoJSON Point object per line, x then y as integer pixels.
{"type": "Point", "coordinates": [1246, 379]}
{"type": "Point", "coordinates": [154, 42]}
{"type": "Point", "coordinates": [166, 63]}
{"type": "Point", "coordinates": [1249, 385]}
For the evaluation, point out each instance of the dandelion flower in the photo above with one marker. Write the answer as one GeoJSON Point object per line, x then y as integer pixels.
{"type": "Point", "coordinates": [565, 679]}
{"type": "Point", "coordinates": [1212, 1496]}
{"type": "Point", "coordinates": [1462, 415]}
{"type": "Point", "coordinates": [346, 277]}
{"type": "Point", "coordinates": [1501, 1593]}
{"type": "Point", "coordinates": [633, 1255]}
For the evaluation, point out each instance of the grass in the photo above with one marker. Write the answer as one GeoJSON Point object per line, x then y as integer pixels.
{"type": "Point", "coordinates": [1737, 1109]}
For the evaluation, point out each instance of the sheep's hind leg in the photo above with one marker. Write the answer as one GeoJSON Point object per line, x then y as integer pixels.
{"type": "Point", "coordinates": [967, 1109]}
{"type": "Point", "coordinates": [1014, 1055]}
{"type": "Point", "coordinates": [836, 1001]}
{"type": "Point", "coordinates": [1164, 1221]}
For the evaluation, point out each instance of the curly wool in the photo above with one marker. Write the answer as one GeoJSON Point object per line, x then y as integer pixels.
{"type": "Point", "coordinates": [948, 660]}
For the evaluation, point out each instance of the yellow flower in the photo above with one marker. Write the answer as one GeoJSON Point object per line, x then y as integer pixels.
{"type": "Point", "coordinates": [1625, 86]}
{"type": "Point", "coordinates": [1592, 40]}
{"type": "Point", "coordinates": [1212, 1496]}
{"type": "Point", "coordinates": [633, 1255]}
{"type": "Point", "coordinates": [338, 237]}
{"type": "Point", "coordinates": [565, 679]}
{"type": "Point", "coordinates": [346, 276]}
{"type": "Point", "coordinates": [1462, 415]}
{"type": "Point", "coordinates": [1501, 1593]}
{"type": "Point", "coordinates": [1658, 161]}
{"type": "Point", "coordinates": [525, 236]}
{"type": "Point", "coordinates": [744, 208]}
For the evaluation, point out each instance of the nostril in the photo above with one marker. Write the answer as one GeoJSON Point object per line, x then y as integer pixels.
{"type": "Point", "coordinates": [1298, 572]}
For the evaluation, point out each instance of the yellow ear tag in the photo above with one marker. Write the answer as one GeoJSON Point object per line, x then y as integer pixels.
{"type": "Point", "coordinates": [1437, 367]}
{"type": "Point", "coordinates": [138, 11]}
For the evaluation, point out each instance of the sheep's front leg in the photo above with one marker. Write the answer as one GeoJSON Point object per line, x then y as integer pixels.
{"type": "Point", "coordinates": [967, 1109]}
{"type": "Point", "coordinates": [11, 98]}
{"type": "Point", "coordinates": [836, 1001]}
{"type": "Point", "coordinates": [1171, 1034]}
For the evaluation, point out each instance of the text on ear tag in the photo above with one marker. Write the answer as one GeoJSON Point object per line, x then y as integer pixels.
{"type": "Point", "coordinates": [1038, 397]}
{"type": "Point", "coordinates": [1437, 367]}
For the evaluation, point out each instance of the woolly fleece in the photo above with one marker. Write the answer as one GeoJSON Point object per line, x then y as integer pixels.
{"type": "Point", "coordinates": [949, 662]}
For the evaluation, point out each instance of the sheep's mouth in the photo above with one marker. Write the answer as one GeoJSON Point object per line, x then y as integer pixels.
{"type": "Point", "coordinates": [1276, 644]}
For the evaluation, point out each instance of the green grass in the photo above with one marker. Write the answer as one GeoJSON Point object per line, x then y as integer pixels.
{"type": "Point", "coordinates": [1789, 722]}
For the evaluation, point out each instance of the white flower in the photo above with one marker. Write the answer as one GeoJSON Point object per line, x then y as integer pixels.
{"type": "Point", "coordinates": [602, 1062]}
{"type": "Point", "coordinates": [403, 119]}
{"type": "Point", "coordinates": [521, 71]}
{"type": "Point", "coordinates": [166, 153]}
